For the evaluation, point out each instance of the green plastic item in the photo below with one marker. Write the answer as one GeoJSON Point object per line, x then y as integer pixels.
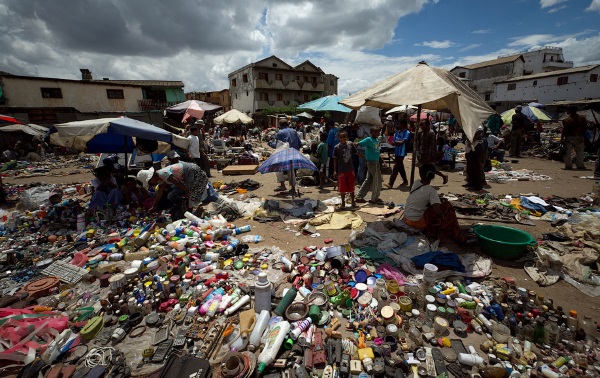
{"type": "Point", "coordinates": [286, 301]}
{"type": "Point", "coordinates": [504, 243]}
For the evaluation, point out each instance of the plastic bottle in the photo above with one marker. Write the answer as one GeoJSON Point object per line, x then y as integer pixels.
{"type": "Point", "coordinates": [80, 222]}
{"type": "Point", "coordinates": [551, 331]}
{"type": "Point", "coordinates": [192, 217]}
{"type": "Point", "coordinates": [251, 238]}
{"type": "Point", "coordinates": [241, 230]}
{"type": "Point", "coordinates": [259, 329]}
{"type": "Point", "coordinates": [299, 327]}
{"type": "Point", "coordinates": [538, 332]}
{"type": "Point", "coordinates": [262, 294]}
{"type": "Point", "coordinates": [547, 372]}
{"type": "Point", "coordinates": [245, 299]}
{"type": "Point", "coordinates": [233, 243]}
{"type": "Point", "coordinates": [528, 330]}
{"type": "Point", "coordinates": [273, 342]}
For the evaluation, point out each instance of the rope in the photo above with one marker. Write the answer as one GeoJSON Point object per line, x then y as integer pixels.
{"type": "Point", "coordinates": [99, 356]}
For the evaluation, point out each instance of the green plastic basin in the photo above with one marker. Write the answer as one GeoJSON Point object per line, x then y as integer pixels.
{"type": "Point", "coordinates": [504, 243]}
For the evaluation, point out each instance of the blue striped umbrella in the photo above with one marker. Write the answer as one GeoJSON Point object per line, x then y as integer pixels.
{"type": "Point", "coordinates": [285, 160]}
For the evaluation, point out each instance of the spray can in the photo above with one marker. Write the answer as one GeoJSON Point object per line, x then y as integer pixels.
{"type": "Point", "coordinates": [286, 301]}
{"type": "Point", "coordinates": [245, 299]}
{"type": "Point", "coordinates": [142, 238]}
{"type": "Point", "coordinates": [241, 230]}
{"type": "Point", "coordinates": [262, 294]}
{"type": "Point", "coordinates": [299, 327]}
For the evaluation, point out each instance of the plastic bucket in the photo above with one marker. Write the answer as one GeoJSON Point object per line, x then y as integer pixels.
{"type": "Point", "coordinates": [429, 273]}
{"type": "Point", "coordinates": [504, 243]}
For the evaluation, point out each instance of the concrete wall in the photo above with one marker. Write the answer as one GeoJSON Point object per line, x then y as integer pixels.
{"type": "Point", "coordinates": [85, 97]}
{"type": "Point", "coordinates": [546, 89]}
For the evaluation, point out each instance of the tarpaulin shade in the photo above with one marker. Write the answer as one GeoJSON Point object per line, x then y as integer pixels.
{"type": "Point", "coordinates": [233, 116]}
{"type": "Point", "coordinates": [327, 103]}
{"type": "Point", "coordinates": [431, 88]}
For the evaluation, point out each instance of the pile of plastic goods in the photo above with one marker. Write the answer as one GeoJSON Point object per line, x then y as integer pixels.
{"type": "Point", "coordinates": [191, 297]}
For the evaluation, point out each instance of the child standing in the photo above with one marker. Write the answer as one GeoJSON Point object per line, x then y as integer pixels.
{"type": "Point", "coordinates": [343, 168]}
{"type": "Point", "coordinates": [449, 155]}
{"type": "Point", "coordinates": [373, 180]}
{"type": "Point", "coordinates": [322, 155]}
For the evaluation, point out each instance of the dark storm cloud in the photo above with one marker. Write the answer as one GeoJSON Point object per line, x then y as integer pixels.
{"type": "Point", "coordinates": [137, 27]}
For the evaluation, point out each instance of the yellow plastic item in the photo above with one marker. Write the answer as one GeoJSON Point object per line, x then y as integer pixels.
{"type": "Point", "coordinates": [365, 352]}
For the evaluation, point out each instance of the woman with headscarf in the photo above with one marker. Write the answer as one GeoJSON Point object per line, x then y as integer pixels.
{"type": "Point", "coordinates": [181, 181]}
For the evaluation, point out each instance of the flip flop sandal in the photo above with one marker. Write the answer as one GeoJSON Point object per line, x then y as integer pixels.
{"type": "Point", "coordinates": [81, 372]}
{"type": "Point", "coordinates": [67, 371]}
{"type": "Point", "coordinates": [32, 369]}
{"type": "Point", "coordinates": [54, 371]}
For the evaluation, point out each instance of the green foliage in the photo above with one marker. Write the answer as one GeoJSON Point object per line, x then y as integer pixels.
{"type": "Point", "coordinates": [315, 96]}
{"type": "Point", "coordinates": [291, 110]}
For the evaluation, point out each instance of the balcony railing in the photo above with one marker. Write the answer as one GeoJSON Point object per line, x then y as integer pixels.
{"type": "Point", "coordinates": [148, 104]}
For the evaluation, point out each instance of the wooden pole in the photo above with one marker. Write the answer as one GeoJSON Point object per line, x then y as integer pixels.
{"type": "Point", "coordinates": [414, 160]}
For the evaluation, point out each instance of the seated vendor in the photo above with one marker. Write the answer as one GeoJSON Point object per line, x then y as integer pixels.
{"type": "Point", "coordinates": [106, 191]}
{"type": "Point", "coordinates": [425, 211]}
{"type": "Point", "coordinates": [137, 196]}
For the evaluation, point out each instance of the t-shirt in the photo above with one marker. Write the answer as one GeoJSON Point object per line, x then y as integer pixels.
{"type": "Point", "coordinates": [371, 146]}
{"type": "Point", "coordinates": [175, 170]}
{"type": "Point", "coordinates": [420, 198]}
{"type": "Point", "coordinates": [520, 121]}
{"type": "Point", "coordinates": [322, 153]}
{"type": "Point", "coordinates": [343, 153]}
{"type": "Point", "coordinates": [289, 136]}
{"type": "Point", "coordinates": [400, 150]}
{"type": "Point", "coordinates": [425, 146]}
{"type": "Point", "coordinates": [332, 139]}
{"type": "Point", "coordinates": [449, 153]}
{"type": "Point", "coordinates": [194, 146]}
{"type": "Point", "coordinates": [574, 126]}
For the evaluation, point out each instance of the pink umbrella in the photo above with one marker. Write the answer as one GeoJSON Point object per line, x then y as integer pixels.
{"type": "Point", "coordinates": [194, 110]}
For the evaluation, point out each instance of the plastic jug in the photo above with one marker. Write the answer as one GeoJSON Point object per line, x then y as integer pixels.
{"type": "Point", "coordinates": [247, 322]}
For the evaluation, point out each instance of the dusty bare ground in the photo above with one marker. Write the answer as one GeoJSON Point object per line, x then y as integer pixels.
{"type": "Point", "coordinates": [563, 183]}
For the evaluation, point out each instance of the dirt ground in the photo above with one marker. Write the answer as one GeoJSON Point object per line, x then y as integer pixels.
{"type": "Point", "coordinates": [563, 183]}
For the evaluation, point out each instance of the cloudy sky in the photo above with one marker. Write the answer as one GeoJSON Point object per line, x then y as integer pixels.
{"type": "Point", "coordinates": [360, 41]}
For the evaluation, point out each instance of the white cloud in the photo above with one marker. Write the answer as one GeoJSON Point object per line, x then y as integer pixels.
{"type": "Point", "coordinates": [594, 6]}
{"type": "Point", "coordinates": [539, 40]}
{"type": "Point", "coordinates": [470, 47]}
{"type": "Point", "coordinates": [581, 51]}
{"type": "Point", "coordinates": [436, 44]}
{"type": "Point", "coordinates": [554, 10]}
{"type": "Point", "coordinates": [481, 31]}
{"type": "Point", "coordinates": [550, 3]}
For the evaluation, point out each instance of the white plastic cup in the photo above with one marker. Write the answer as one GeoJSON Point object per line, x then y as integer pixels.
{"type": "Point", "coordinates": [429, 271]}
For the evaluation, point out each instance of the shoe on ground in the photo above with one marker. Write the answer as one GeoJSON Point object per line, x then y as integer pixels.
{"type": "Point", "coordinates": [360, 200]}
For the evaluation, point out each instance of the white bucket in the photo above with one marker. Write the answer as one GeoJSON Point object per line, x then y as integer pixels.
{"type": "Point", "coordinates": [429, 273]}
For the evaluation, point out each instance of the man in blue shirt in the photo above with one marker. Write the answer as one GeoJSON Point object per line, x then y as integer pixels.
{"type": "Point", "coordinates": [401, 140]}
{"type": "Point", "coordinates": [290, 136]}
{"type": "Point", "coordinates": [287, 135]}
{"type": "Point", "coordinates": [332, 141]}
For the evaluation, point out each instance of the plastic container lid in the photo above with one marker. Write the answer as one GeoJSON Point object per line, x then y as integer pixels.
{"type": "Point", "coordinates": [361, 286]}
{"type": "Point", "coordinates": [387, 312]}
{"type": "Point", "coordinates": [573, 313]}
{"type": "Point", "coordinates": [360, 276]}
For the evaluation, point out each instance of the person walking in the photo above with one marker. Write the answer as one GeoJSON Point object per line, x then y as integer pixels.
{"type": "Point", "coordinates": [322, 156]}
{"type": "Point", "coordinates": [425, 147]}
{"type": "Point", "coordinates": [332, 141]}
{"type": "Point", "coordinates": [494, 123]}
{"type": "Point", "coordinates": [573, 134]}
{"type": "Point", "coordinates": [373, 180]}
{"type": "Point", "coordinates": [289, 136]}
{"type": "Point", "coordinates": [343, 167]}
{"type": "Point", "coordinates": [519, 123]}
{"type": "Point", "coordinates": [194, 146]}
{"type": "Point", "coordinates": [400, 143]}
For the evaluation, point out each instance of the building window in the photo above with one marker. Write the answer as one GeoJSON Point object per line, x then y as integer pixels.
{"type": "Point", "coordinates": [297, 77]}
{"type": "Point", "coordinates": [274, 64]}
{"type": "Point", "coordinates": [487, 97]}
{"type": "Point", "coordinates": [306, 97]}
{"type": "Point", "coordinates": [594, 78]}
{"type": "Point", "coordinates": [247, 93]}
{"type": "Point", "coordinates": [535, 83]}
{"type": "Point", "coordinates": [512, 86]}
{"type": "Point", "coordinates": [562, 80]}
{"type": "Point", "coordinates": [264, 97]}
{"type": "Point", "coordinates": [233, 82]}
{"type": "Point", "coordinates": [305, 78]}
{"type": "Point", "coordinates": [263, 76]}
{"type": "Point", "coordinates": [245, 78]}
{"type": "Point", "coordinates": [115, 94]}
{"type": "Point", "coordinates": [51, 93]}
{"type": "Point", "coordinates": [331, 82]}
{"type": "Point", "coordinates": [279, 77]}
{"type": "Point", "coordinates": [462, 74]}
{"type": "Point", "coordinates": [279, 96]}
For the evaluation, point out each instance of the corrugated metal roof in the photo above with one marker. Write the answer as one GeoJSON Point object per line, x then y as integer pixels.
{"type": "Point", "coordinates": [144, 83]}
{"type": "Point", "coordinates": [505, 59]}
{"type": "Point", "coordinates": [552, 73]}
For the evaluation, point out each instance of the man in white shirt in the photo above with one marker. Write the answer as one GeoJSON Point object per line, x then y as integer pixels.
{"type": "Point", "coordinates": [194, 147]}
{"type": "Point", "coordinates": [493, 145]}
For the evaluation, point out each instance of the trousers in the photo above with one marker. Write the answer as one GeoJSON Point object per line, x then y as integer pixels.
{"type": "Point", "coordinates": [398, 168]}
{"type": "Point", "coordinates": [372, 181]}
{"type": "Point", "coordinates": [574, 143]}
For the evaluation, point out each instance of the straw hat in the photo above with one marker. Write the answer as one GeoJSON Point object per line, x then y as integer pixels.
{"type": "Point", "coordinates": [144, 176]}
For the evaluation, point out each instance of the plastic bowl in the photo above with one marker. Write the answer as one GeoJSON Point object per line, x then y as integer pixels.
{"type": "Point", "coordinates": [504, 243]}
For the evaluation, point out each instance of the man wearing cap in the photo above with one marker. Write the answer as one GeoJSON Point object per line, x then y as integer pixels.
{"type": "Point", "coordinates": [572, 137]}
{"type": "Point", "coordinates": [519, 123]}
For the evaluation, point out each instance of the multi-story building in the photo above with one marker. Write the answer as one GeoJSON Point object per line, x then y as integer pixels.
{"type": "Point", "coordinates": [221, 98]}
{"type": "Point", "coordinates": [272, 83]}
{"type": "Point", "coordinates": [547, 87]}
{"type": "Point", "coordinates": [481, 77]}
{"type": "Point", "coordinates": [40, 99]}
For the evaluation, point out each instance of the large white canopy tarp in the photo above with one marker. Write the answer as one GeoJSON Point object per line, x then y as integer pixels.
{"type": "Point", "coordinates": [430, 87]}
{"type": "Point", "coordinates": [233, 116]}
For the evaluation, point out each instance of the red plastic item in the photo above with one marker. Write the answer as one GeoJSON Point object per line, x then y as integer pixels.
{"type": "Point", "coordinates": [328, 241]}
